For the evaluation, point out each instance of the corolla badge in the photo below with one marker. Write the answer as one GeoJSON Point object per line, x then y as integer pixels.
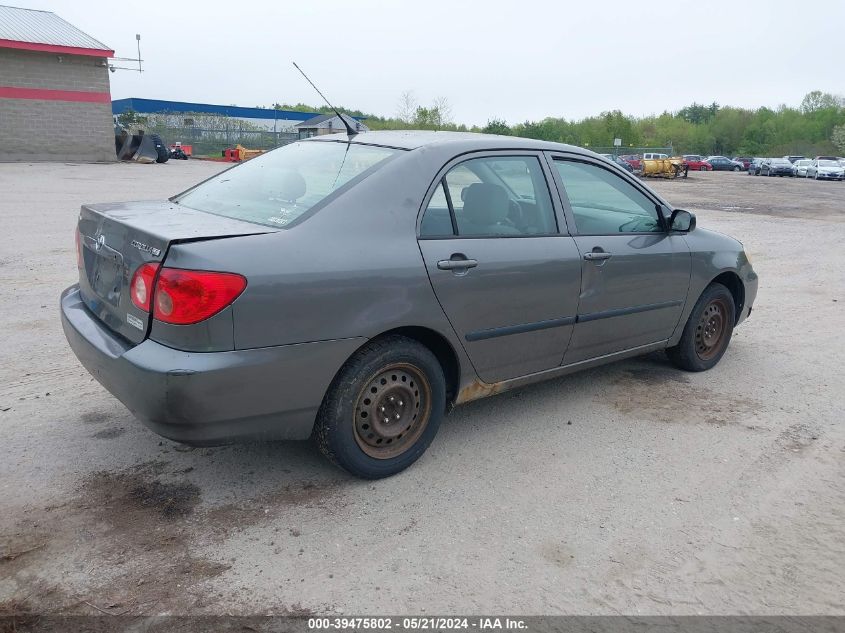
{"type": "Point", "coordinates": [146, 248]}
{"type": "Point", "coordinates": [101, 241]}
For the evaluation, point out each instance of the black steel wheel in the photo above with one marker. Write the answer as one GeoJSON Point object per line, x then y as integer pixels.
{"type": "Point", "coordinates": [707, 332]}
{"type": "Point", "coordinates": [711, 329]}
{"type": "Point", "coordinates": [383, 408]}
{"type": "Point", "coordinates": [392, 411]}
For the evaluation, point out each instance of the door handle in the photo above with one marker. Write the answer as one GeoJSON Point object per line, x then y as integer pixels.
{"type": "Point", "coordinates": [594, 256]}
{"type": "Point", "coordinates": [457, 264]}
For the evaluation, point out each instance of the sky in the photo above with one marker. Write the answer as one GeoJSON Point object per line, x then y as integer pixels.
{"type": "Point", "coordinates": [516, 60]}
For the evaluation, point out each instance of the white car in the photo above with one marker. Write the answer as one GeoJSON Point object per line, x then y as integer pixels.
{"type": "Point", "coordinates": [825, 169]}
{"type": "Point", "coordinates": [653, 156]}
{"type": "Point", "coordinates": [799, 167]}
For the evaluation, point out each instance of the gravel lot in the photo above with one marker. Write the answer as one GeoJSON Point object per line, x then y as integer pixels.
{"type": "Point", "coordinates": [632, 488]}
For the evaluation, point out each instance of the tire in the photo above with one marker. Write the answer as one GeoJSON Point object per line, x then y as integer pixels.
{"type": "Point", "coordinates": [736, 168]}
{"type": "Point", "coordinates": [385, 377]}
{"type": "Point", "coordinates": [707, 332]}
{"type": "Point", "coordinates": [161, 149]}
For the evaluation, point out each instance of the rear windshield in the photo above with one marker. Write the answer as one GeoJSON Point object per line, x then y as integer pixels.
{"type": "Point", "coordinates": [276, 188]}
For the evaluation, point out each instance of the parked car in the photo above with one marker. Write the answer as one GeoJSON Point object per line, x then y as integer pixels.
{"type": "Point", "coordinates": [792, 159]}
{"type": "Point", "coordinates": [722, 163]}
{"type": "Point", "coordinates": [825, 169]}
{"type": "Point", "coordinates": [353, 289]}
{"type": "Point", "coordinates": [633, 160]}
{"type": "Point", "coordinates": [776, 167]}
{"type": "Point", "coordinates": [619, 161]}
{"type": "Point", "coordinates": [799, 167]}
{"type": "Point", "coordinates": [697, 163]}
{"type": "Point", "coordinates": [654, 156]}
{"type": "Point", "coordinates": [745, 161]}
{"type": "Point", "coordinates": [754, 166]}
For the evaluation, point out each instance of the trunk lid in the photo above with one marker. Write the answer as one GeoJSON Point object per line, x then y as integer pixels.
{"type": "Point", "coordinates": [117, 238]}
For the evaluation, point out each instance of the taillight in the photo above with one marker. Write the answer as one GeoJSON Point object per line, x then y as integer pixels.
{"type": "Point", "coordinates": [141, 287]}
{"type": "Point", "coordinates": [80, 263]}
{"type": "Point", "coordinates": [183, 297]}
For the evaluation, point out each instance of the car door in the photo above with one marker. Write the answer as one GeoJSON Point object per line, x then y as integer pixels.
{"type": "Point", "coordinates": [507, 278]}
{"type": "Point", "coordinates": [635, 273]}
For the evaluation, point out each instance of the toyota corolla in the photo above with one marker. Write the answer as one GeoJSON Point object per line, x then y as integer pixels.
{"type": "Point", "coordinates": [354, 289]}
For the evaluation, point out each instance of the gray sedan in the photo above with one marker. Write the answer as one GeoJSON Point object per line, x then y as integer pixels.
{"type": "Point", "coordinates": [354, 289]}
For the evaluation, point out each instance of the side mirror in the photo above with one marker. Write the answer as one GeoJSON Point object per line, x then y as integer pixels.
{"type": "Point", "coordinates": [682, 221]}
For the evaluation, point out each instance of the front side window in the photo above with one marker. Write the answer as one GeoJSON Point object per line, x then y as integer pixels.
{"type": "Point", "coordinates": [277, 187]}
{"type": "Point", "coordinates": [492, 196]}
{"type": "Point", "coordinates": [605, 204]}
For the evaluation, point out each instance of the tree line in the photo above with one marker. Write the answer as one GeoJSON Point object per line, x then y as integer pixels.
{"type": "Point", "coordinates": [815, 127]}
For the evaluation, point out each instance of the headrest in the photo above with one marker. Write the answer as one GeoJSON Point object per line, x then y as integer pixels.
{"type": "Point", "coordinates": [485, 203]}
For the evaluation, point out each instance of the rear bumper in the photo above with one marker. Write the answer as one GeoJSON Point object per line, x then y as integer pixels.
{"type": "Point", "coordinates": [211, 397]}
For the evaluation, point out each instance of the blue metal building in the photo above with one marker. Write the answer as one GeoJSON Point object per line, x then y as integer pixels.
{"type": "Point", "coordinates": [269, 119]}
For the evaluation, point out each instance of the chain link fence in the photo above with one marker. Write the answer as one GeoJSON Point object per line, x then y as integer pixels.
{"type": "Point", "coordinates": [209, 135]}
{"type": "Point", "coordinates": [212, 141]}
{"type": "Point", "coordinates": [635, 151]}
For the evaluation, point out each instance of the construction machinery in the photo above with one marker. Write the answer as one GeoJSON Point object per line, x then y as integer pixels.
{"type": "Point", "coordinates": [239, 153]}
{"type": "Point", "coordinates": [673, 167]}
{"type": "Point", "coordinates": [140, 147]}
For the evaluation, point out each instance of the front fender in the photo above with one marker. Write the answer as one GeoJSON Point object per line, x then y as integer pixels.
{"type": "Point", "coordinates": [713, 254]}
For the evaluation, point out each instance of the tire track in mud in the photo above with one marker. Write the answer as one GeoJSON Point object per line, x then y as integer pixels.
{"type": "Point", "coordinates": [138, 540]}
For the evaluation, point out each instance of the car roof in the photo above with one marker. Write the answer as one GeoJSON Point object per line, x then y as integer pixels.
{"type": "Point", "coordinates": [414, 139]}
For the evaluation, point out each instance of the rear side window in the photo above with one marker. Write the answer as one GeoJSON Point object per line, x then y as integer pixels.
{"type": "Point", "coordinates": [491, 197]}
{"type": "Point", "coordinates": [276, 188]}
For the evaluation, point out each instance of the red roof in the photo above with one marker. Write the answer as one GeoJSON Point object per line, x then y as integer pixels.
{"type": "Point", "coordinates": [32, 30]}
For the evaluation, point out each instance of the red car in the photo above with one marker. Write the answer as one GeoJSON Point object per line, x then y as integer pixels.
{"type": "Point", "coordinates": [697, 163]}
{"type": "Point", "coordinates": [633, 160]}
{"type": "Point", "coordinates": [745, 160]}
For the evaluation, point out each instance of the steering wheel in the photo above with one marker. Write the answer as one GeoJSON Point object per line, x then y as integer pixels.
{"type": "Point", "coordinates": [515, 217]}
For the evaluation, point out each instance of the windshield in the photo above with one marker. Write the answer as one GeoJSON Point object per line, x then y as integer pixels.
{"type": "Point", "coordinates": [828, 163]}
{"type": "Point", "coordinates": [780, 161]}
{"type": "Point", "coordinates": [276, 188]}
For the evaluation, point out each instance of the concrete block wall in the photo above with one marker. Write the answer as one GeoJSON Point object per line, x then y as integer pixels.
{"type": "Point", "coordinates": [61, 126]}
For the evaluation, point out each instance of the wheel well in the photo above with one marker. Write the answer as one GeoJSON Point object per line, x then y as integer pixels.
{"type": "Point", "coordinates": [733, 283]}
{"type": "Point", "coordinates": [442, 349]}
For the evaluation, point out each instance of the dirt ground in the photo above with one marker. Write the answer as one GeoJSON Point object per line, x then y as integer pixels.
{"type": "Point", "coordinates": [632, 488]}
